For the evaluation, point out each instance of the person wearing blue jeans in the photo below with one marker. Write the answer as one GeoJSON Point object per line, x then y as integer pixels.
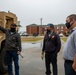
{"type": "Point", "coordinates": [13, 47]}
{"type": "Point", "coordinates": [68, 68]}
{"type": "Point", "coordinates": [12, 56]}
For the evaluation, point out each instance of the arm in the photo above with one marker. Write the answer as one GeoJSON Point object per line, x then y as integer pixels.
{"type": "Point", "coordinates": [74, 38]}
{"type": "Point", "coordinates": [2, 29]}
{"type": "Point", "coordinates": [58, 44]}
{"type": "Point", "coordinates": [19, 43]}
{"type": "Point", "coordinates": [43, 49]}
{"type": "Point", "coordinates": [74, 41]}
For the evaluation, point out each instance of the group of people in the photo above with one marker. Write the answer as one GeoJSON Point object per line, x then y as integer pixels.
{"type": "Point", "coordinates": [51, 47]}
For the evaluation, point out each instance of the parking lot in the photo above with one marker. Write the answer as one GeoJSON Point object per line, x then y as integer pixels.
{"type": "Point", "coordinates": [32, 64]}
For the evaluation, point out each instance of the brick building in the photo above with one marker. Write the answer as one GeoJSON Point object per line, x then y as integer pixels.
{"type": "Point", "coordinates": [61, 28]}
{"type": "Point", "coordinates": [40, 29]}
{"type": "Point", "coordinates": [34, 28]}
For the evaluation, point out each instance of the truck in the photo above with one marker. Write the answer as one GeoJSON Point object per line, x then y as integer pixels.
{"type": "Point", "coordinates": [6, 19]}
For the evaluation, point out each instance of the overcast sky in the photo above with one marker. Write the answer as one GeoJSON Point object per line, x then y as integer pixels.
{"type": "Point", "coordinates": [30, 11]}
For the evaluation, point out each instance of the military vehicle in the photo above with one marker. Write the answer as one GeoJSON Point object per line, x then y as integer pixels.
{"type": "Point", "coordinates": [6, 19]}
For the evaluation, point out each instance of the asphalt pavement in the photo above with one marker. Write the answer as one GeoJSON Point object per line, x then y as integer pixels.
{"type": "Point", "coordinates": [32, 64]}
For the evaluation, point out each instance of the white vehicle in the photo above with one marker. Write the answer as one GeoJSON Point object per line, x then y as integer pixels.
{"type": "Point", "coordinates": [61, 35]}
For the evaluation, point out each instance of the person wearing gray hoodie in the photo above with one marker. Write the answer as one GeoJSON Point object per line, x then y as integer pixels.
{"type": "Point", "coordinates": [13, 47]}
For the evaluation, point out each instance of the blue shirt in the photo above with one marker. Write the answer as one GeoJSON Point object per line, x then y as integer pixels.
{"type": "Point", "coordinates": [69, 50]}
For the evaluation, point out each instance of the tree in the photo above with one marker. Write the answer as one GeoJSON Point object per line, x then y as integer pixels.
{"type": "Point", "coordinates": [19, 25]}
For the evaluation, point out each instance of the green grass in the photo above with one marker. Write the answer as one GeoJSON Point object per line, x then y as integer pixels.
{"type": "Point", "coordinates": [30, 39]}
{"type": "Point", "coordinates": [35, 39]}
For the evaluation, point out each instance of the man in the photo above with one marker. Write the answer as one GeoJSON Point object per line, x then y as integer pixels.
{"type": "Point", "coordinates": [51, 46]}
{"type": "Point", "coordinates": [13, 47]}
{"type": "Point", "coordinates": [70, 45]}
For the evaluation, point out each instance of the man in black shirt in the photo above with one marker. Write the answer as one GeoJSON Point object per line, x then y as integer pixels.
{"type": "Point", "coordinates": [51, 46]}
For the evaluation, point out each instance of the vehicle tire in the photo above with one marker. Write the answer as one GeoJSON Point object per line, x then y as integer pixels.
{"type": "Point", "coordinates": [3, 62]}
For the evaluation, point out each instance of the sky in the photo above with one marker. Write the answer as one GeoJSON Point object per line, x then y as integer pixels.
{"type": "Point", "coordinates": [31, 11]}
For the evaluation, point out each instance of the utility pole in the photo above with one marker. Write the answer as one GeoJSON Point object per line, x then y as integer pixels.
{"type": "Point", "coordinates": [41, 21]}
{"type": "Point", "coordinates": [41, 25]}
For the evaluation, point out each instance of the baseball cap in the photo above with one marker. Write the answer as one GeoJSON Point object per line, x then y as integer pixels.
{"type": "Point", "coordinates": [13, 24]}
{"type": "Point", "coordinates": [51, 25]}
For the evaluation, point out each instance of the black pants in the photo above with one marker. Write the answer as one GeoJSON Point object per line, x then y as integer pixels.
{"type": "Point", "coordinates": [68, 68]}
{"type": "Point", "coordinates": [51, 58]}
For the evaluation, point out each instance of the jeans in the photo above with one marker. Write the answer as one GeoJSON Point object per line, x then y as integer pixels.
{"type": "Point", "coordinates": [12, 56]}
{"type": "Point", "coordinates": [51, 58]}
{"type": "Point", "coordinates": [68, 68]}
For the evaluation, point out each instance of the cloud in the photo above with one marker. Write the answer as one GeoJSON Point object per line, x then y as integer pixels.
{"type": "Point", "coordinates": [30, 11]}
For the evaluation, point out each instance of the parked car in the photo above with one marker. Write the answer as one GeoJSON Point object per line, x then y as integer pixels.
{"type": "Point", "coordinates": [24, 34]}
{"type": "Point", "coordinates": [35, 34]}
{"type": "Point", "coordinates": [61, 35]}
{"type": "Point", "coordinates": [67, 34]}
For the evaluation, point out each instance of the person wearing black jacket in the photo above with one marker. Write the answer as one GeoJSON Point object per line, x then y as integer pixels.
{"type": "Point", "coordinates": [51, 46]}
{"type": "Point", "coordinates": [13, 47]}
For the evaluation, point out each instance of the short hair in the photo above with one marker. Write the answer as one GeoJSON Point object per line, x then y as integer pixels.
{"type": "Point", "coordinates": [51, 25]}
{"type": "Point", "coordinates": [72, 16]}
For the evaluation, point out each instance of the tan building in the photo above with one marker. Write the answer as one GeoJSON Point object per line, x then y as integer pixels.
{"type": "Point", "coordinates": [6, 18]}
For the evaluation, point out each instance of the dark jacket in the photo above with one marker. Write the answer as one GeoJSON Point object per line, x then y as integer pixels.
{"type": "Point", "coordinates": [12, 41]}
{"type": "Point", "coordinates": [51, 43]}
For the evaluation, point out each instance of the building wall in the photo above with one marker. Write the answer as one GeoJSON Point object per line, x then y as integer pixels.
{"type": "Point", "coordinates": [41, 30]}
{"type": "Point", "coordinates": [32, 29]}
{"type": "Point", "coordinates": [6, 18]}
{"type": "Point", "coordinates": [61, 29]}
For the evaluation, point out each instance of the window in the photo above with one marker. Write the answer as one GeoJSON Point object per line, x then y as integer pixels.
{"type": "Point", "coordinates": [57, 27]}
{"type": "Point", "coordinates": [66, 27]}
{"type": "Point", "coordinates": [61, 30]}
{"type": "Point", "coordinates": [61, 27]}
{"type": "Point", "coordinates": [57, 32]}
